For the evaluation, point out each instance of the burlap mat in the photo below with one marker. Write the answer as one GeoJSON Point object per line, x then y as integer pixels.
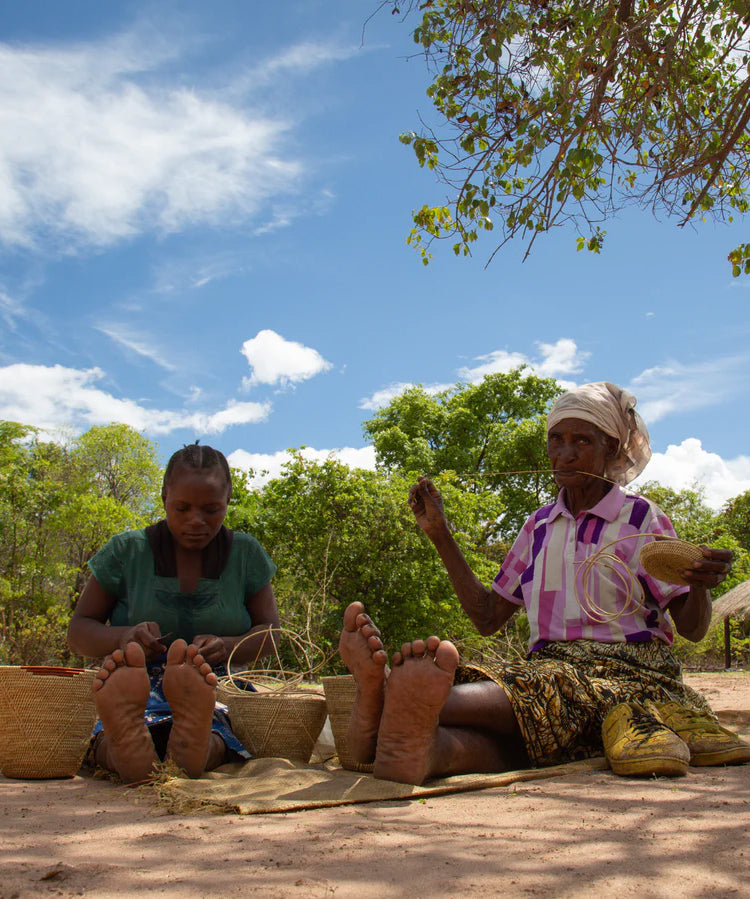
{"type": "Point", "coordinates": [269, 785]}
{"type": "Point", "coordinates": [261, 786]}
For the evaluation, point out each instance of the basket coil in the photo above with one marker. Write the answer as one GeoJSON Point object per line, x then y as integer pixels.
{"type": "Point", "coordinates": [46, 716]}
{"type": "Point", "coordinates": [274, 713]}
{"type": "Point", "coordinates": [665, 560]}
{"type": "Point", "coordinates": [275, 724]}
{"type": "Point", "coordinates": [340, 693]}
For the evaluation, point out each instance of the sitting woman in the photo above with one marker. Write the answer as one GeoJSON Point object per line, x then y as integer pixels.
{"type": "Point", "coordinates": [186, 587]}
{"type": "Point", "coordinates": [599, 674]}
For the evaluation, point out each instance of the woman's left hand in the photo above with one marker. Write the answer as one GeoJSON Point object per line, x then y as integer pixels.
{"type": "Point", "coordinates": [212, 648]}
{"type": "Point", "coordinates": [711, 570]}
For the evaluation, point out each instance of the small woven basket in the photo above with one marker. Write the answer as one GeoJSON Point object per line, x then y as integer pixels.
{"type": "Point", "coordinates": [46, 719]}
{"type": "Point", "coordinates": [275, 723]}
{"type": "Point", "coordinates": [665, 560]}
{"type": "Point", "coordinates": [340, 692]}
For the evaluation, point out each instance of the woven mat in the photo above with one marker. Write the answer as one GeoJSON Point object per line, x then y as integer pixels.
{"type": "Point", "coordinates": [269, 785]}
{"type": "Point", "coordinates": [261, 786]}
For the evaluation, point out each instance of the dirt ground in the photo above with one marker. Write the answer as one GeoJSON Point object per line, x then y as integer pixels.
{"type": "Point", "coordinates": [575, 836]}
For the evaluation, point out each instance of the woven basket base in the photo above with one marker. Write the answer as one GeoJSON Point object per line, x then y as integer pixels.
{"type": "Point", "coordinates": [46, 722]}
{"type": "Point", "coordinates": [276, 725]}
{"type": "Point", "coordinates": [665, 560]}
{"type": "Point", "coordinates": [340, 693]}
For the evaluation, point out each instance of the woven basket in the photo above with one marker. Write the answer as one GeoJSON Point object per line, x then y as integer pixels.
{"type": "Point", "coordinates": [340, 692]}
{"type": "Point", "coordinates": [46, 719]}
{"type": "Point", "coordinates": [275, 724]}
{"type": "Point", "coordinates": [666, 559]}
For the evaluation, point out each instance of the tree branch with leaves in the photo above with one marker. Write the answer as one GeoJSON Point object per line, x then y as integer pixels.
{"type": "Point", "coordinates": [563, 113]}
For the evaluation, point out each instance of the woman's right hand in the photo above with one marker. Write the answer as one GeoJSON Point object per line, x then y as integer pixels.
{"type": "Point", "coordinates": [426, 503]}
{"type": "Point", "coordinates": [148, 635]}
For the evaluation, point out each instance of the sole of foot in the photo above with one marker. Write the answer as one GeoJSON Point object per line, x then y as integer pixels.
{"type": "Point", "coordinates": [190, 689]}
{"type": "Point", "coordinates": [120, 690]}
{"type": "Point", "coordinates": [419, 683]}
{"type": "Point", "coordinates": [361, 650]}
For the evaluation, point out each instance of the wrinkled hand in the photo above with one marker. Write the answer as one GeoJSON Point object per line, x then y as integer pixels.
{"type": "Point", "coordinates": [212, 648]}
{"type": "Point", "coordinates": [427, 505]}
{"type": "Point", "coordinates": [148, 635]}
{"type": "Point", "coordinates": [711, 570]}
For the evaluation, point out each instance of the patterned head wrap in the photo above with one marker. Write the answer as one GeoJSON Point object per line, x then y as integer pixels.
{"type": "Point", "coordinates": [612, 410]}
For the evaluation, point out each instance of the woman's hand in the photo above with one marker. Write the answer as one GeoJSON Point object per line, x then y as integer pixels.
{"type": "Point", "coordinates": [711, 570]}
{"type": "Point", "coordinates": [212, 648]}
{"type": "Point", "coordinates": [427, 505]}
{"type": "Point", "coordinates": [148, 635]}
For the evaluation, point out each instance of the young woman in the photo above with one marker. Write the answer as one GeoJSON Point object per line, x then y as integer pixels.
{"type": "Point", "coordinates": [165, 606]}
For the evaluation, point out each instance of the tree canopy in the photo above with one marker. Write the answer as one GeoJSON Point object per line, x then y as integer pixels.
{"type": "Point", "coordinates": [339, 534]}
{"type": "Point", "coordinates": [492, 435]}
{"type": "Point", "coordinates": [557, 112]}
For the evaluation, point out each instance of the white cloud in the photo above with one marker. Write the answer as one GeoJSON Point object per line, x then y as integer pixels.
{"type": "Point", "coordinates": [269, 465]}
{"type": "Point", "coordinates": [559, 358]}
{"type": "Point", "coordinates": [54, 397]}
{"type": "Point", "coordinates": [10, 310]}
{"type": "Point", "coordinates": [92, 151]}
{"type": "Point", "coordinates": [688, 464]}
{"type": "Point", "coordinates": [302, 57]}
{"type": "Point", "coordinates": [382, 397]}
{"type": "Point", "coordinates": [137, 343]}
{"type": "Point", "coordinates": [676, 387]}
{"type": "Point", "coordinates": [275, 360]}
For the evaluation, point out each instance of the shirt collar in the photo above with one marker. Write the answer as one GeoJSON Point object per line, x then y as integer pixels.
{"type": "Point", "coordinates": [608, 507]}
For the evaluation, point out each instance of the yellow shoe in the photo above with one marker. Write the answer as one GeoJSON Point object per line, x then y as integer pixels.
{"type": "Point", "coordinates": [636, 742]}
{"type": "Point", "coordinates": [709, 743]}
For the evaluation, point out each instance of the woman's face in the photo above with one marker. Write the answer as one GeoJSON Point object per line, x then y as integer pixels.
{"type": "Point", "coordinates": [195, 502]}
{"type": "Point", "coordinates": [577, 448]}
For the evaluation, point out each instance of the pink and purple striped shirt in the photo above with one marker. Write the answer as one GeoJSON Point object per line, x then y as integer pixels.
{"type": "Point", "coordinates": [543, 572]}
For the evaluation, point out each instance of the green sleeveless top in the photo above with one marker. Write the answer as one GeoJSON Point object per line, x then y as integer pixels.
{"type": "Point", "coordinates": [125, 567]}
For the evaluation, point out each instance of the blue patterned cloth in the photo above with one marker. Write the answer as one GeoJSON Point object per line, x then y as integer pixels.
{"type": "Point", "coordinates": [158, 715]}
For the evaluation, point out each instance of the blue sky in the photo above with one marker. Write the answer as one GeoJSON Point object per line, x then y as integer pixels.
{"type": "Point", "coordinates": [203, 213]}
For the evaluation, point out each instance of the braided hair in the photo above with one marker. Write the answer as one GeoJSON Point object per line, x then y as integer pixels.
{"type": "Point", "coordinates": [198, 458]}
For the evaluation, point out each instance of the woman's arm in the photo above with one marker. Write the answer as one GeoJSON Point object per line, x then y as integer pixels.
{"type": "Point", "coordinates": [257, 643]}
{"type": "Point", "coordinates": [691, 612]}
{"type": "Point", "coordinates": [89, 635]}
{"type": "Point", "coordinates": [487, 610]}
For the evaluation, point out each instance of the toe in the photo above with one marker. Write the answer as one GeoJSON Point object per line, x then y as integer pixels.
{"type": "Point", "coordinates": [352, 611]}
{"type": "Point", "coordinates": [446, 656]}
{"type": "Point", "coordinates": [177, 652]}
{"type": "Point", "coordinates": [135, 657]}
{"type": "Point", "coordinates": [368, 629]}
{"type": "Point", "coordinates": [432, 643]}
{"type": "Point", "coordinates": [418, 647]}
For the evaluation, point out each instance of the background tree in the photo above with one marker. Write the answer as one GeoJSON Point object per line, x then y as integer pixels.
{"type": "Point", "coordinates": [58, 506]}
{"type": "Point", "coordinates": [736, 515]}
{"type": "Point", "coordinates": [557, 112]}
{"type": "Point", "coordinates": [479, 431]}
{"type": "Point", "coordinates": [339, 534]}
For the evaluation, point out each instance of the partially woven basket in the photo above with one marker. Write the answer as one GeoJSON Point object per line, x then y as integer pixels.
{"type": "Point", "coordinates": [46, 719]}
{"type": "Point", "coordinates": [340, 693]}
{"type": "Point", "coordinates": [275, 724]}
{"type": "Point", "coordinates": [665, 560]}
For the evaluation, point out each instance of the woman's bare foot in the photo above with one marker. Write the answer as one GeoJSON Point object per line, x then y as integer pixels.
{"type": "Point", "coordinates": [121, 689]}
{"type": "Point", "coordinates": [418, 685]}
{"type": "Point", "coordinates": [190, 689]}
{"type": "Point", "coordinates": [361, 650]}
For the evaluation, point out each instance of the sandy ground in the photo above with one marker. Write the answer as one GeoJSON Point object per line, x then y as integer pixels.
{"type": "Point", "coordinates": [576, 836]}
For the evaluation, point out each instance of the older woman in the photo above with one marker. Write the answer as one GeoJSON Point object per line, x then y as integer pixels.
{"type": "Point", "coordinates": [599, 673]}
